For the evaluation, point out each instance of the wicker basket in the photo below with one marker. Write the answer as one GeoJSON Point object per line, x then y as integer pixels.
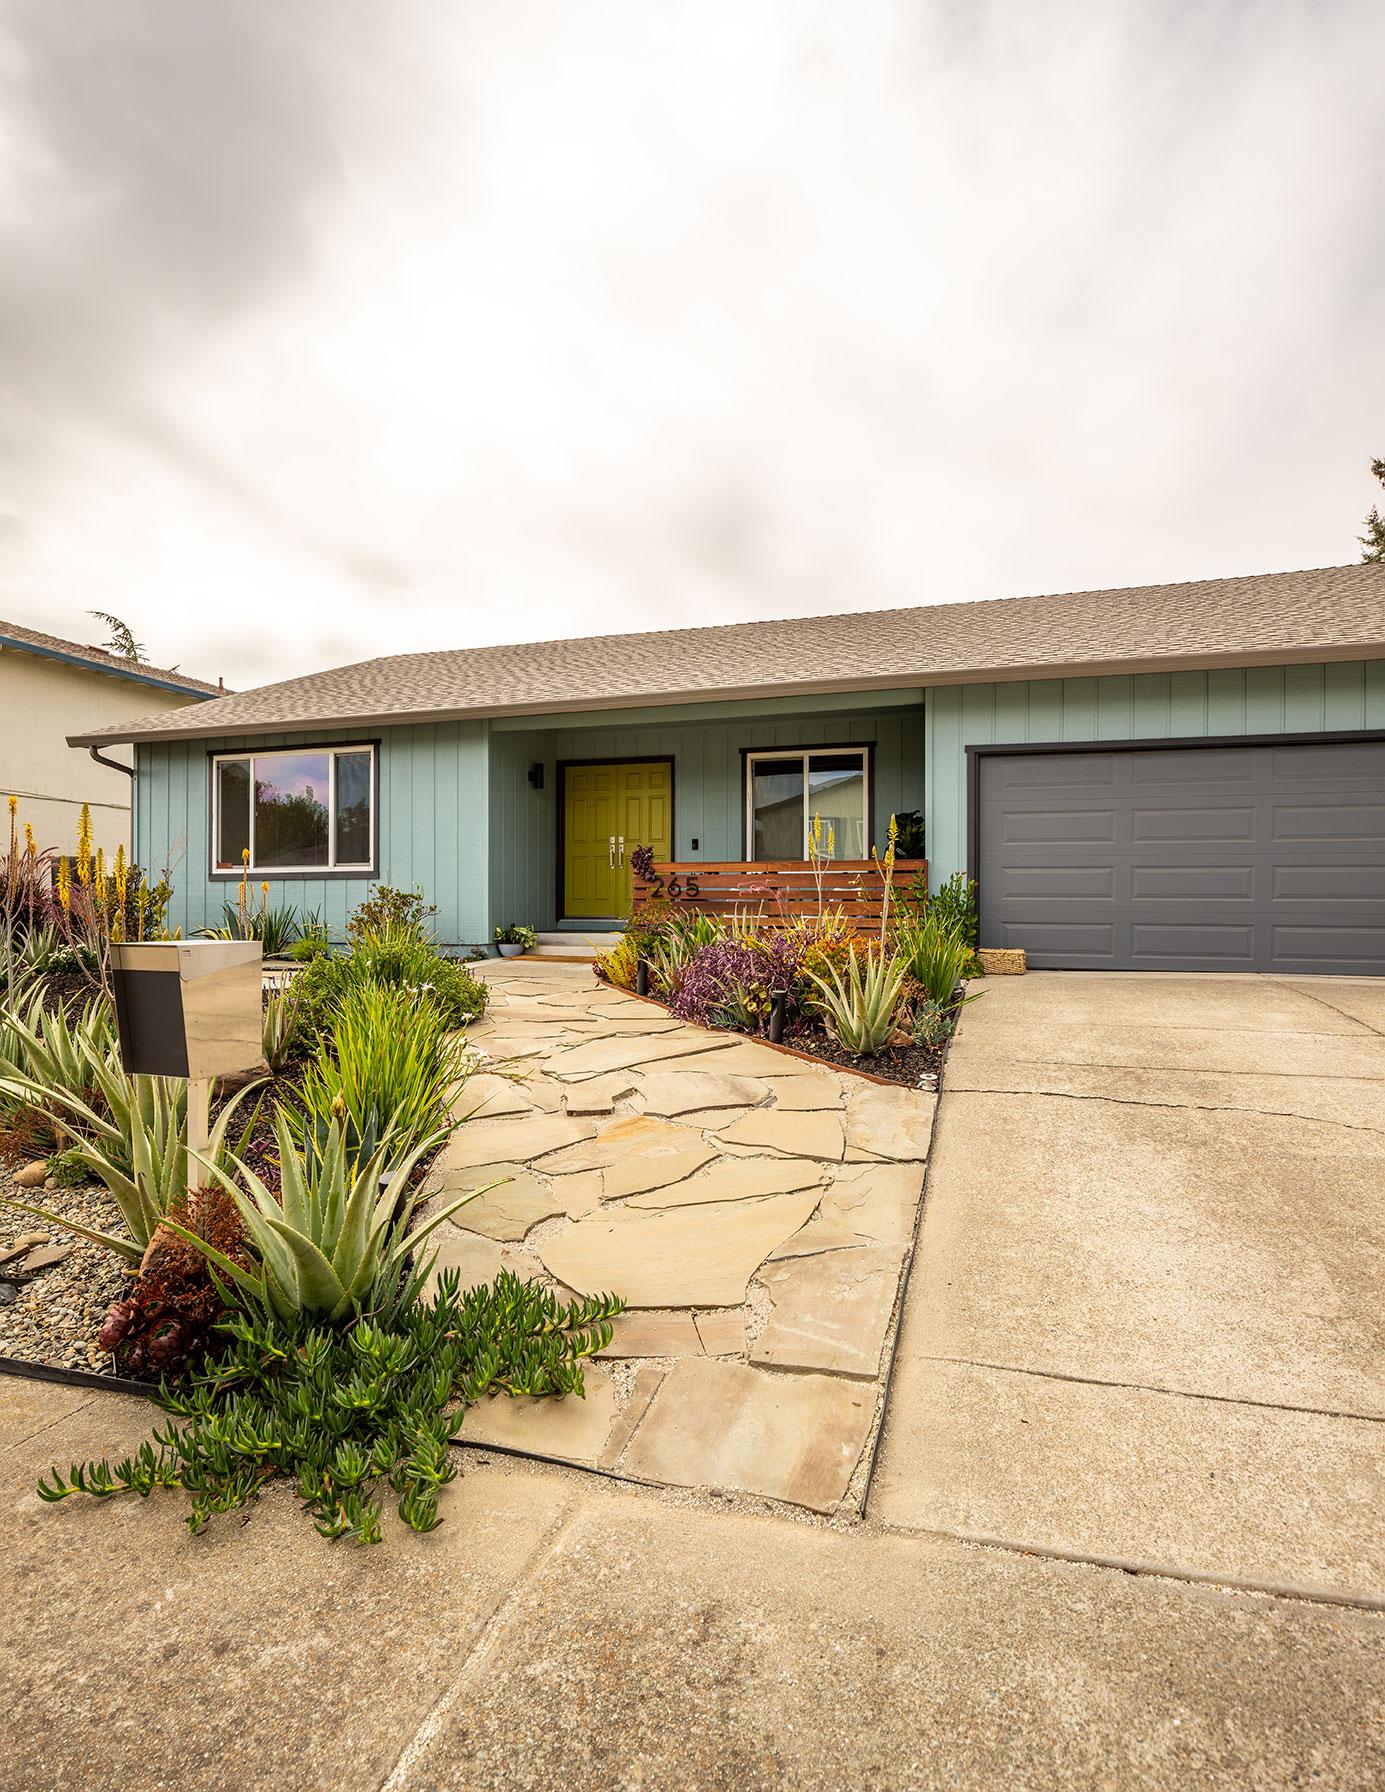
{"type": "Point", "coordinates": [1003, 961]}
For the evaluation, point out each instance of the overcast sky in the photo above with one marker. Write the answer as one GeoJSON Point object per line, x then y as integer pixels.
{"type": "Point", "coordinates": [332, 330]}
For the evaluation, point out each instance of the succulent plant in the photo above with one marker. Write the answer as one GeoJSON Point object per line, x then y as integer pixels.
{"type": "Point", "coordinates": [859, 1001]}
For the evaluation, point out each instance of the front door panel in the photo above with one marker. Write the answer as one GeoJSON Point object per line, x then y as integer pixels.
{"type": "Point", "coordinates": [608, 810]}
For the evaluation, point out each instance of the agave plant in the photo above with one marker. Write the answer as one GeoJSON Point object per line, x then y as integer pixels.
{"type": "Point", "coordinates": [285, 1031]}
{"type": "Point", "coordinates": [336, 1242]}
{"type": "Point", "coordinates": [859, 1002]}
{"type": "Point", "coordinates": [44, 1058]}
{"type": "Point", "coordinates": [149, 1125]}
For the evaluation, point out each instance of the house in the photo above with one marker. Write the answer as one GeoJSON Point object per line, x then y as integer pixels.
{"type": "Point", "coordinates": [1169, 777]}
{"type": "Point", "coordinates": [48, 685]}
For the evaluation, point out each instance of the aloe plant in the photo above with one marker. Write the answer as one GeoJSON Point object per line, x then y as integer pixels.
{"type": "Point", "coordinates": [859, 1003]}
{"type": "Point", "coordinates": [149, 1127]}
{"type": "Point", "coordinates": [336, 1242]}
{"type": "Point", "coordinates": [46, 1055]}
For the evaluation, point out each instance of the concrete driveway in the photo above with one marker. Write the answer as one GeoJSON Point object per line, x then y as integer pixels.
{"type": "Point", "coordinates": [1145, 1324]}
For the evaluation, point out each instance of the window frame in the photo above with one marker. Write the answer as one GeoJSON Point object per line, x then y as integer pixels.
{"type": "Point", "coordinates": [749, 757]}
{"type": "Point", "coordinates": [272, 873]}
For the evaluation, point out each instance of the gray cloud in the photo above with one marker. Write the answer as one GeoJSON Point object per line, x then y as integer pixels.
{"type": "Point", "coordinates": [330, 328]}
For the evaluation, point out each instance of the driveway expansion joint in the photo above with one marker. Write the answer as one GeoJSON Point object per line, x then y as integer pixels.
{"type": "Point", "coordinates": [1187, 1107]}
{"type": "Point", "coordinates": [1149, 1387]}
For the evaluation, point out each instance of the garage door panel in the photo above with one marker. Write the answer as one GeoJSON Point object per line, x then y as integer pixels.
{"type": "Point", "coordinates": [1325, 882]}
{"type": "Point", "coordinates": [1065, 883]}
{"type": "Point", "coordinates": [1181, 822]}
{"type": "Point", "coordinates": [1227, 766]}
{"type": "Point", "coordinates": [1341, 763]}
{"type": "Point", "coordinates": [1075, 939]}
{"type": "Point", "coordinates": [1183, 882]}
{"type": "Point", "coordinates": [1358, 950]}
{"type": "Point", "coordinates": [1192, 941]}
{"type": "Point", "coordinates": [1269, 857]}
{"type": "Point", "coordinates": [1363, 821]}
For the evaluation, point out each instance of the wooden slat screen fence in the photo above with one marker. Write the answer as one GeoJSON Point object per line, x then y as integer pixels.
{"type": "Point", "coordinates": [778, 890]}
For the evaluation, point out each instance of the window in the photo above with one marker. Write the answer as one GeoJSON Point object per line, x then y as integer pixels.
{"type": "Point", "coordinates": [310, 810]}
{"type": "Point", "coordinates": [784, 791]}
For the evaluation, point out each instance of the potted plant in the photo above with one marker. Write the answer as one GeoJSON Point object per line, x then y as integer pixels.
{"type": "Point", "coordinates": [514, 940]}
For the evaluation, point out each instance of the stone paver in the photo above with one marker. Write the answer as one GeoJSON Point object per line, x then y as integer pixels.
{"type": "Point", "coordinates": [701, 1176]}
{"type": "Point", "coordinates": [694, 1256]}
{"type": "Point", "coordinates": [738, 1179]}
{"type": "Point", "coordinates": [685, 1091]}
{"type": "Point", "coordinates": [572, 1429]}
{"type": "Point", "coordinates": [829, 1311]}
{"type": "Point", "coordinates": [715, 1423]}
{"type": "Point", "coordinates": [518, 1204]}
{"type": "Point", "coordinates": [815, 1134]}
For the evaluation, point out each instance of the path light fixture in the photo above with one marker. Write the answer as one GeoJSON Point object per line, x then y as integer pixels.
{"type": "Point", "coordinates": [778, 1002]}
{"type": "Point", "coordinates": [641, 976]}
{"type": "Point", "coordinates": [189, 1008]}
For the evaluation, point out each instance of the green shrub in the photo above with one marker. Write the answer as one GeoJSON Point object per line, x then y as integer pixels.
{"type": "Point", "coordinates": [386, 909]}
{"type": "Point", "coordinates": [275, 928]}
{"type": "Point", "coordinates": [932, 1025]}
{"type": "Point", "coordinates": [396, 958]}
{"type": "Point", "coordinates": [618, 966]}
{"type": "Point", "coordinates": [859, 1001]}
{"type": "Point", "coordinates": [517, 934]}
{"type": "Point", "coordinates": [387, 1067]}
{"type": "Point", "coordinates": [338, 1413]}
{"type": "Point", "coordinates": [69, 1168]}
{"type": "Point", "coordinates": [932, 952]}
{"type": "Point", "coordinates": [954, 905]}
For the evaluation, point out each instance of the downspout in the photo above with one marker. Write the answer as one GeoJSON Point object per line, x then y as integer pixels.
{"type": "Point", "coordinates": [115, 765]}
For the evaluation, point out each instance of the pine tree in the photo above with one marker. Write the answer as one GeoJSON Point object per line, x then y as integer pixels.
{"type": "Point", "coordinates": [1373, 541]}
{"type": "Point", "coordinates": [122, 642]}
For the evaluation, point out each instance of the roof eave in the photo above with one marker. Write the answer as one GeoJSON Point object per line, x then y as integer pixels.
{"type": "Point", "coordinates": [1008, 674]}
{"type": "Point", "coordinates": [13, 644]}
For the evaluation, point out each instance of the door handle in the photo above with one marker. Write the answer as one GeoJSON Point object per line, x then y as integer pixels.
{"type": "Point", "coordinates": [611, 853]}
{"type": "Point", "coordinates": [622, 849]}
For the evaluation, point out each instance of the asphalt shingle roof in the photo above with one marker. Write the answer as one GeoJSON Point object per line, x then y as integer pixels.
{"type": "Point", "coordinates": [1332, 613]}
{"type": "Point", "coordinates": [14, 635]}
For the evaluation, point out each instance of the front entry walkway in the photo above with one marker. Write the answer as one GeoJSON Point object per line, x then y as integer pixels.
{"type": "Point", "coordinates": [756, 1212]}
{"type": "Point", "coordinates": [1148, 1323]}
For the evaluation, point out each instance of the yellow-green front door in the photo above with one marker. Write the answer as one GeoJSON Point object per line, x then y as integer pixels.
{"type": "Point", "coordinates": [609, 810]}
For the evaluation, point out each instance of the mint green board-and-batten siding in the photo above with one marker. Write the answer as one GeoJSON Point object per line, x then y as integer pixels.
{"type": "Point", "coordinates": [708, 793]}
{"type": "Point", "coordinates": [433, 826]}
{"type": "Point", "coordinates": [459, 818]}
{"type": "Point", "coordinates": [1145, 706]}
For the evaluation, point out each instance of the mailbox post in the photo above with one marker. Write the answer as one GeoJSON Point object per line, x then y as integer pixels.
{"type": "Point", "coordinates": [189, 1008]}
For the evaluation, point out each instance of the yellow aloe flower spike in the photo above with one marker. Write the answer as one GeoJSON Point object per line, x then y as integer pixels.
{"type": "Point", "coordinates": [122, 872]}
{"type": "Point", "coordinates": [30, 844]}
{"type": "Point", "coordinates": [64, 884]}
{"type": "Point", "coordinates": [84, 845]}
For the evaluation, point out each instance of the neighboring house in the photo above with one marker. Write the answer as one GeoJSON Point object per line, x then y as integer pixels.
{"type": "Point", "coordinates": [48, 687]}
{"type": "Point", "coordinates": [1172, 777]}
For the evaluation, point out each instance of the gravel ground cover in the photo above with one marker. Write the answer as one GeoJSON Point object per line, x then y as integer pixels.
{"type": "Point", "coordinates": [53, 1315]}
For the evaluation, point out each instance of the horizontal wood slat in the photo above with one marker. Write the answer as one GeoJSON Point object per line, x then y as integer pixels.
{"type": "Point", "coordinates": [780, 889]}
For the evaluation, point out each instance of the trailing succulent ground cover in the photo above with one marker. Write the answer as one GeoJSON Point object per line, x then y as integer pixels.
{"type": "Point", "coordinates": [887, 1003]}
{"type": "Point", "coordinates": [279, 1282]}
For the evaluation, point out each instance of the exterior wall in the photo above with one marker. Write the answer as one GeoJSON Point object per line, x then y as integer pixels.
{"type": "Point", "coordinates": [1147, 706]}
{"type": "Point", "coordinates": [705, 745]}
{"type": "Point", "coordinates": [42, 701]}
{"type": "Point", "coordinates": [432, 825]}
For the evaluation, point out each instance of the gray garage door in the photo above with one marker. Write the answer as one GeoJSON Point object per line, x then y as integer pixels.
{"type": "Point", "coordinates": [1227, 858]}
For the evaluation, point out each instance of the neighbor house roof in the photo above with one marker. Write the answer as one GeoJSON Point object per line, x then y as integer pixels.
{"type": "Point", "coordinates": [1334, 613]}
{"type": "Point", "coordinates": [96, 659]}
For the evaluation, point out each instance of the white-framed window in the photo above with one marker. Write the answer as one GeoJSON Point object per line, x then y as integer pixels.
{"type": "Point", "coordinates": [784, 790]}
{"type": "Point", "coordinates": [302, 810]}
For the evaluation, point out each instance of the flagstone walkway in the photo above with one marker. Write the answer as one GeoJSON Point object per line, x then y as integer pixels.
{"type": "Point", "coordinates": [755, 1211]}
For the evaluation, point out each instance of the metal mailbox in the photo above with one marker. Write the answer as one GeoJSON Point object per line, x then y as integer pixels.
{"type": "Point", "coordinates": [188, 1008]}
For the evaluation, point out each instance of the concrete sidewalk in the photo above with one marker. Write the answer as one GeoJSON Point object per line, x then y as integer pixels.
{"type": "Point", "coordinates": [1146, 1321]}
{"type": "Point", "coordinates": [559, 1630]}
{"type": "Point", "coordinates": [1140, 1332]}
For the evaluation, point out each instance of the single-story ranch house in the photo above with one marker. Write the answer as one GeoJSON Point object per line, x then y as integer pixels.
{"type": "Point", "coordinates": [1165, 778]}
